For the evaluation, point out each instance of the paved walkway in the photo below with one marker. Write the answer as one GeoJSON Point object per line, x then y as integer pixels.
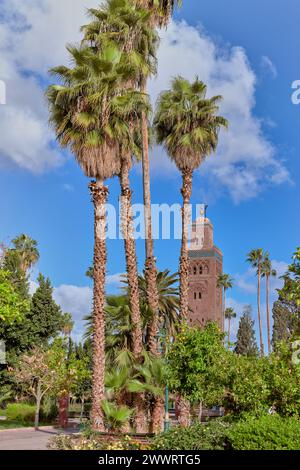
{"type": "Point", "coordinates": [29, 439]}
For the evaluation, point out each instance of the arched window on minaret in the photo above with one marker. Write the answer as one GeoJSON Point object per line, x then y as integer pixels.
{"type": "Point", "coordinates": [195, 270]}
{"type": "Point", "coordinates": [195, 295]}
{"type": "Point", "coordinates": [201, 270]}
{"type": "Point", "coordinates": [200, 295]}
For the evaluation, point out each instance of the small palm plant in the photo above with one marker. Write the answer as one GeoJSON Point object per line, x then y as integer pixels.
{"type": "Point", "coordinates": [187, 124]}
{"type": "Point", "coordinates": [116, 417]}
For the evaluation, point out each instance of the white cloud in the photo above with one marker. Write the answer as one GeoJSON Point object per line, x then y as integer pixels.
{"type": "Point", "coordinates": [246, 161]}
{"type": "Point", "coordinates": [114, 280]}
{"type": "Point", "coordinates": [268, 66]}
{"type": "Point", "coordinates": [33, 38]}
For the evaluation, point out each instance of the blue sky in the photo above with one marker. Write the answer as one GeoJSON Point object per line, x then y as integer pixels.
{"type": "Point", "coordinates": [248, 51]}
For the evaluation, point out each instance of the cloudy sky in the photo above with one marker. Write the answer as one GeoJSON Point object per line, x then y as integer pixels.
{"type": "Point", "coordinates": [245, 51]}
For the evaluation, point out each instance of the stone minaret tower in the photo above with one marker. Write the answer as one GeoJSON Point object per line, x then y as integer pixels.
{"type": "Point", "coordinates": [206, 264]}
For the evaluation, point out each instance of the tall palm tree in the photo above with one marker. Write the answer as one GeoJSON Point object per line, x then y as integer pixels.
{"type": "Point", "coordinates": [87, 117]}
{"type": "Point", "coordinates": [224, 282]}
{"type": "Point", "coordinates": [27, 250]}
{"type": "Point", "coordinates": [187, 124]}
{"type": "Point", "coordinates": [161, 12]}
{"type": "Point", "coordinates": [229, 315]}
{"type": "Point", "coordinates": [128, 24]}
{"type": "Point", "coordinates": [256, 258]}
{"type": "Point", "coordinates": [267, 272]}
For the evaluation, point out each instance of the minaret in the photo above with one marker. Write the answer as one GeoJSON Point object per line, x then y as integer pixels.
{"type": "Point", "coordinates": [206, 264]}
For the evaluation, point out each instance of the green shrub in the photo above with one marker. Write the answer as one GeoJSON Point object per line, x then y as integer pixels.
{"type": "Point", "coordinates": [269, 432]}
{"type": "Point", "coordinates": [20, 412]}
{"type": "Point", "coordinates": [210, 436]}
{"type": "Point", "coordinates": [49, 410]}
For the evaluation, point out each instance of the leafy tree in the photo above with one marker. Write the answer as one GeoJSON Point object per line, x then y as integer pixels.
{"type": "Point", "coordinates": [291, 290]}
{"type": "Point", "coordinates": [286, 320]}
{"type": "Point", "coordinates": [45, 318]}
{"type": "Point", "coordinates": [246, 342]}
{"type": "Point", "coordinates": [256, 258]}
{"type": "Point", "coordinates": [12, 263]}
{"type": "Point", "coordinates": [190, 358]}
{"type": "Point", "coordinates": [37, 375]}
{"type": "Point", "coordinates": [187, 124]}
{"type": "Point", "coordinates": [12, 306]}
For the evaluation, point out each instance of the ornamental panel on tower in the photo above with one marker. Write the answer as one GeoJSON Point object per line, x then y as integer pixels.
{"type": "Point", "coordinates": [205, 267]}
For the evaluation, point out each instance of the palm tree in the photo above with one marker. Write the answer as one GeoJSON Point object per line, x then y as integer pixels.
{"type": "Point", "coordinates": [224, 282]}
{"type": "Point", "coordinates": [229, 315]}
{"type": "Point", "coordinates": [87, 117]}
{"type": "Point", "coordinates": [256, 258]}
{"type": "Point", "coordinates": [161, 12]}
{"type": "Point", "coordinates": [27, 251]}
{"type": "Point", "coordinates": [130, 24]}
{"type": "Point", "coordinates": [187, 124]}
{"type": "Point", "coordinates": [168, 301]}
{"type": "Point", "coordinates": [267, 271]}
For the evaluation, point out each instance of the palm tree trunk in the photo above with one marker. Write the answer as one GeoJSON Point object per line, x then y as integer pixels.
{"type": "Point", "coordinates": [186, 192]}
{"type": "Point", "coordinates": [157, 424]}
{"type": "Point", "coordinates": [268, 312]}
{"type": "Point", "coordinates": [131, 259]}
{"type": "Point", "coordinates": [259, 315]}
{"type": "Point", "coordinates": [99, 195]}
{"type": "Point", "coordinates": [132, 275]}
{"type": "Point", "coordinates": [184, 417]}
{"type": "Point", "coordinates": [229, 321]}
{"type": "Point", "coordinates": [150, 263]}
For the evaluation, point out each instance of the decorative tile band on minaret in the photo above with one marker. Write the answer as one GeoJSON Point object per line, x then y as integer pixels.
{"type": "Point", "coordinates": [205, 266]}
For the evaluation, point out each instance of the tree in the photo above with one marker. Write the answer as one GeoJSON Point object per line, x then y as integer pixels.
{"type": "Point", "coordinates": [27, 250]}
{"type": "Point", "coordinates": [12, 263]}
{"type": "Point", "coordinates": [12, 306]}
{"type": "Point", "coordinates": [88, 116]}
{"type": "Point", "coordinates": [45, 318]}
{"type": "Point", "coordinates": [267, 272]}
{"type": "Point", "coordinates": [168, 301]}
{"type": "Point", "coordinates": [189, 361]}
{"type": "Point", "coordinates": [291, 290]}
{"type": "Point", "coordinates": [130, 26]}
{"type": "Point", "coordinates": [229, 315]}
{"type": "Point", "coordinates": [224, 282]}
{"type": "Point", "coordinates": [286, 323]}
{"type": "Point", "coordinates": [35, 372]}
{"type": "Point", "coordinates": [187, 124]}
{"type": "Point", "coordinates": [246, 341]}
{"type": "Point", "coordinates": [256, 259]}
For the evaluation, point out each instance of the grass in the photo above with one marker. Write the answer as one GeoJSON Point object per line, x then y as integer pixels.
{"type": "Point", "coordinates": [13, 425]}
